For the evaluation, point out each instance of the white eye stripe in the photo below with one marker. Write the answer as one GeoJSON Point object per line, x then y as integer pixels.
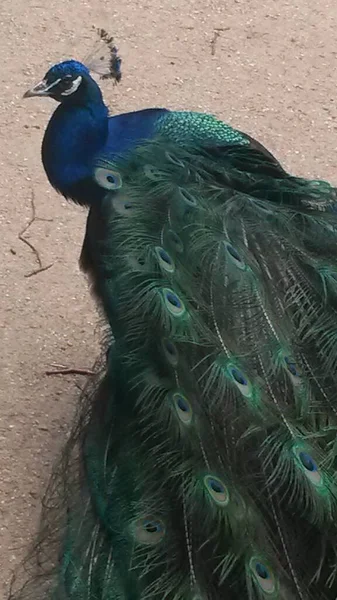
{"type": "Point", "coordinates": [49, 87]}
{"type": "Point", "coordinates": [75, 85]}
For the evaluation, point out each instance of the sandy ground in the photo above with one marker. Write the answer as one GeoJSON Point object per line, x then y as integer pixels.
{"type": "Point", "coordinates": [268, 67]}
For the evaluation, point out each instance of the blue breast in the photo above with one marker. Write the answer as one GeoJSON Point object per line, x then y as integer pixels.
{"type": "Point", "coordinates": [129, 129]}
{"type": "Point", "coordinates": [76, 136]}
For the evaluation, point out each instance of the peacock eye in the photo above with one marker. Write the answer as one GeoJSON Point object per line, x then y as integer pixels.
{"type": "Point", "coordinates": [68, 85]}
{"type": "Point", "coordinates": [65, 82]}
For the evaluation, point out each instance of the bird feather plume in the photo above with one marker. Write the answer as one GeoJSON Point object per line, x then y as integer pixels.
{"type": "Point", "coordinates": [203, 463]}
{"type": "Point", "coordinates": [103, 58]}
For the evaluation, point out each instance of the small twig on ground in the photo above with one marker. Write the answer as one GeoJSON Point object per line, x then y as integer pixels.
{"type": "Point", "coordinates": [214, 39]}
{"type": "Point", "coordinates": [63, 370]}
{"type": "Point", "coordinates": [79, 387]}
{"type": "Point", "coordinates": [29, 244]}
{"type": "Point", "coordinates": [40, 270]}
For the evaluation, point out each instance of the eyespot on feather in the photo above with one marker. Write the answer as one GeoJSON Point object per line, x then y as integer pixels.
{"type": "Point", "coordinates": [240, 380]}
{"type": "Point", "coordinates": [187, 198]}
{"type": "Point", "coordinates": [183, 408]}
{"type": "Point", "coordinates": [152, 173]}
{"type": "Point", "coordinates": [137, 263]}
{"type": "Point", "coordinates": [170, 352]}
{"type": "Point", "coordinates": [235, 257]}
{"type": "Point", "coordinates": [263, 575]}
{"type": "Point", "coordinates": [216, 489]}
{"type": "Point", "coordinates": [174, 305]}
{"type": "Point", "coordinates": [309, 466]}
{"type": "Point", "coordinates": [108, 179]}
{"type": "Point", "coordinates": [149, 530]}
{"type": "Point", "coordinates": [164, 260]}
{"type": "Point", "coordinates": [292, 370]}
{"type": "Point", "coordinates": [122, 205]}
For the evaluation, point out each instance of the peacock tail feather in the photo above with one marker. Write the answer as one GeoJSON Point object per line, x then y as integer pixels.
{"type": "Point", "coordinates": [203, 463]}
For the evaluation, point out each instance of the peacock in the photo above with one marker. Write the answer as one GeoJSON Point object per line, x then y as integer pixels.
{"type": "Point", "coordinates": [202, 464]}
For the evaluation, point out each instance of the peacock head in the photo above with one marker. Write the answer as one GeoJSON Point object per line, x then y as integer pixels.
{"type": "Point", "coordinates": [68, 81]}
{"type": "Point", "coordinates": [63, 82]}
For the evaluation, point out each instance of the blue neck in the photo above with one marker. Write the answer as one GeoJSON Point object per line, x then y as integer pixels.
{"type": "Point", "coordinates": [76, 133]}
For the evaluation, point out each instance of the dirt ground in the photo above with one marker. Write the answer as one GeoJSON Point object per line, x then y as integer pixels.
{"type": "Point", "coordinates": [268, 67]}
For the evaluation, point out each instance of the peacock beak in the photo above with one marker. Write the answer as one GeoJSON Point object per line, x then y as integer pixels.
{"type": "Point", "coordinates": [41, 89]}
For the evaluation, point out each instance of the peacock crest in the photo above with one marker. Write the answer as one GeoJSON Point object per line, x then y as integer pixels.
{"type": "Point", "coordinates": [104, 59]}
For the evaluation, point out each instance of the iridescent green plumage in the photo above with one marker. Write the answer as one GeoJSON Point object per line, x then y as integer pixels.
{"type": "Point", "coordinates": [192, 126]}
{"type": "Point", "coordinates": [203, 466]}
